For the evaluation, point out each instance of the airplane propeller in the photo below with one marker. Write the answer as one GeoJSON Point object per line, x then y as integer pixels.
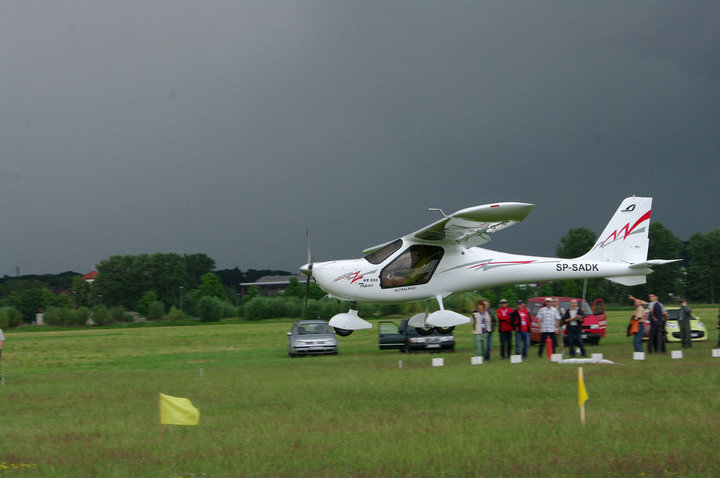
{"type": "Point", "coordinates": [307, 270]}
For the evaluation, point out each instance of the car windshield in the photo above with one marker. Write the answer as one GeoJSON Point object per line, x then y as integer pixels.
{"type": "Point", "coordinates": [583, 306]}
{"type": "Point", "coordinates": [317, 328]}
{"type": "Point", "coordinates": [673, 314]}
{"type": "Point", "coordinates": [564, 305]}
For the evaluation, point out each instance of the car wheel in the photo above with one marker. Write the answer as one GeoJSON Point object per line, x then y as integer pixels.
{"type": "Point", "coordinates": [445, 330]}
{"type": "Point", "coordinates": [342, 332]}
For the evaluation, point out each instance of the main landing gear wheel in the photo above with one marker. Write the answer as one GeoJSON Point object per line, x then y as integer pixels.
{"type": "Point", "coordinates": [342, 332]}
{"type": "Point", "coordinates": [445, 330]}
{"type": "Point", "coordinates": [427, 330]}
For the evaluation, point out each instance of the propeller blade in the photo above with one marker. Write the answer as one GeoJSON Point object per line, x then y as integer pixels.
{"type": "Point", "coordinates": [307, 294]}
{"type": "Point", "coordinates": [307, 269]}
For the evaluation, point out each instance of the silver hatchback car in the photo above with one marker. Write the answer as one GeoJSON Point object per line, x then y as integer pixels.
{"type": "Point", "coordinates": [309, 337]}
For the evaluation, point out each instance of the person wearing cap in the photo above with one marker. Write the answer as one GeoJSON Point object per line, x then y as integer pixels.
{"type": "Point", "coordinates": [549, 318]}
{"type": "Point", "coordinates": [684, 317]}
{"type": "Point", "coordinates": [504, 316]}
{"type": "Point", "coordinates": [521, 324]}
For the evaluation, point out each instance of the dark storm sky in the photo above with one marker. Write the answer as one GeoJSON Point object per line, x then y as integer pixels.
{"type": "Point", "coordinates": [229, 127]}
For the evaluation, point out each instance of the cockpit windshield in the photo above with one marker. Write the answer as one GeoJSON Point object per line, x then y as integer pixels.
{"type": "Point", "coordinates": [415, 266]}
{"type": "Point", "coordinates": [379, 255]}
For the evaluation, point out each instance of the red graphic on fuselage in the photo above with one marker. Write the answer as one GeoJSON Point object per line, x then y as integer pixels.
{"type": "Point", "coordinates": [615, 235]}
{"type": "Point", "coordinates": [491, 265]}
{"type": "Point", "coordinates": [351, 276]}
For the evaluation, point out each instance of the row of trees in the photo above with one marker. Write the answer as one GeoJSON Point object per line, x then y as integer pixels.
{"type": "Point", "coordinates": [162, 285]}
{"type": "Point", "coordinates": [696, 277]}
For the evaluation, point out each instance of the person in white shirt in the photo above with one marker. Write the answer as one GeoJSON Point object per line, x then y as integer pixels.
{"type": "Point", "coordinates": [549, 323]}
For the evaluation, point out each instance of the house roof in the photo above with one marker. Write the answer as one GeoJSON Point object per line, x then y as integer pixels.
{"type": "Point", "coordinates": [275, 280]}
{"type": "Point", "coordinates": [90, 275]}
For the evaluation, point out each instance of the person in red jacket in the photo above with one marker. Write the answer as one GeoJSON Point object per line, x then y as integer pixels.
{"type": "Point", "coordinates": [503, 315]}
{"type": "Point", "coordinates": [521, 325]}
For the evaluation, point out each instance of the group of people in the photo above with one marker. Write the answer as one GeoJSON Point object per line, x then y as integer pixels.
{"type": "Point", "coordinates": [551, 318]}
{"type": "Point", "coordinates": [656, 315]}
{"type": "Point", "coordinates": [508, 322]}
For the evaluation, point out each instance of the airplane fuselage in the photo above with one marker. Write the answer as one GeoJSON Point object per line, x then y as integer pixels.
{"type": "Point", "coordinates": [457, 270]}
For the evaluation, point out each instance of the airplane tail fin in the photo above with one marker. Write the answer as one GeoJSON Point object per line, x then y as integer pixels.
{"type": "Point", "coordinates": [625, 238]}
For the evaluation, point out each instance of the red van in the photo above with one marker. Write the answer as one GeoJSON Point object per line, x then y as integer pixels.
{"type": "Point", "coordinates": [594, 323]}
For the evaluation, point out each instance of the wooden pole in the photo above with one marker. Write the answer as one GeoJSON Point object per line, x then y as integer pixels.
{"type": "Point", "coordinates": [582, 405]}
{"type": "Point", "coordinates": [160, 415]}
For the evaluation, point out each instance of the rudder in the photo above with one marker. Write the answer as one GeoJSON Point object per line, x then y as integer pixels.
{"type": "Point", "coordinates": [625, 238]}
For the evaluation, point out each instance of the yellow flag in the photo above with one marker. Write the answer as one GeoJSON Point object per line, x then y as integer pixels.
{"type": "Point", "coordinates": [177, 411]}
{"type": "Point", "coordinates": [582, 393]}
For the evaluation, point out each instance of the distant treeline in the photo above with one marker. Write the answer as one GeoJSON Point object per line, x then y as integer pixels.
{"type": "Point", "coordinates": [64, 280]}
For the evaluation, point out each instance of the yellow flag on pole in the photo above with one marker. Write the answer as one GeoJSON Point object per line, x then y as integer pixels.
{"type": "Point", "coordinates": [582, 393]}
{"type": "Point", "coordinates": [177, 411]}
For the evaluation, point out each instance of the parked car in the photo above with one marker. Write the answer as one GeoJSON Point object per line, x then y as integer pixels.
{"type": "Point", "coordinates": [392, 336]}
{"type": "Point", "coordinates": [309, 337]}
{"type": "Point", "coordinates": [698, 332]}
{"type": "Point", "coordinates": [594, 323]}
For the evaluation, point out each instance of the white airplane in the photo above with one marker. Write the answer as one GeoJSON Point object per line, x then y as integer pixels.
{"type": "Point", "coordinates": [444, 257]}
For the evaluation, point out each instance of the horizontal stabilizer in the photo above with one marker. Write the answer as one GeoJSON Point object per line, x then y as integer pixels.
{"type": "Point", "coordinates": [446, 318]}
{"type": "Point", "coordinates": [628, 280]}
{"type": "Point", "coordinates": [654, 262]}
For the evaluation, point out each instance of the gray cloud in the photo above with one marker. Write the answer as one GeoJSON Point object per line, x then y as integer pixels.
{"type": "Point", "coordinates": [230, 127]}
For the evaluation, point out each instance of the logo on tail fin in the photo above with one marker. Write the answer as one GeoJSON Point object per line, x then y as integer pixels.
{"type": "Point", "coordinates": [627, 229]}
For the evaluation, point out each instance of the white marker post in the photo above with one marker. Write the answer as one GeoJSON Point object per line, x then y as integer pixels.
{"type": "Point", "coordinates": [716, 352]}
{"type": "Point", "coordinates": [676, 354]}
{"type": "Point", "coordinates": [597, 358]}
{"type": "Point", "coordinates": [516, 359]}
{"type": "Point", "coordinates": [477, 360]}
{"type": "Point", "coordinates": [438, 362]}
{"type": "Point", "coordinates": [638, 355]}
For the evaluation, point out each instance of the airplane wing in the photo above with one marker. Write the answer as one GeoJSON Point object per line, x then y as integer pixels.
{"type": "Point", "coordinates": [470, 226]}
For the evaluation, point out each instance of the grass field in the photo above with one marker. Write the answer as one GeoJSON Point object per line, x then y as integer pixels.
{"type": "Point", "coordinates": [84, 403]}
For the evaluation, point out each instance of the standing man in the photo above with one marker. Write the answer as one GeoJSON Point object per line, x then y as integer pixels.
{"type": "Point", "coordinates": [657, 315]}
{"type": "Point", "coordinates": [549, 318]}
{"type": "Point", "coordinates": [573, 319]}
{"type": "Point", "coordinates": [684, 317]}
{"type": "Point", "coordinates": [504, 314]}
{"type": "Point", "coordinates": [718, 327]}
{"type": "Point", "coordinates": [2, 339]}
{"type": "Point", "coordinates": [521, 324]}
{"type": "Point", "coordinates": [493, 326]}
{"type": "Point", "coordinates": [482, 325]}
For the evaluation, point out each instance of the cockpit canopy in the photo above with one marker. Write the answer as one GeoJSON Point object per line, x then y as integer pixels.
{"type": "Point", "coordinates": [414, 266]}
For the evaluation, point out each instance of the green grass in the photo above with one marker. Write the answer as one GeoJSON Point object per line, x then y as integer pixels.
{"type": "Point", "coordinates": [84, 403]}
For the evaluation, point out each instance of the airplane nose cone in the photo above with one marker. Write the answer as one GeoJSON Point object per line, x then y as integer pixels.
{"type": "Point", "coordinates": [306, 269]}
